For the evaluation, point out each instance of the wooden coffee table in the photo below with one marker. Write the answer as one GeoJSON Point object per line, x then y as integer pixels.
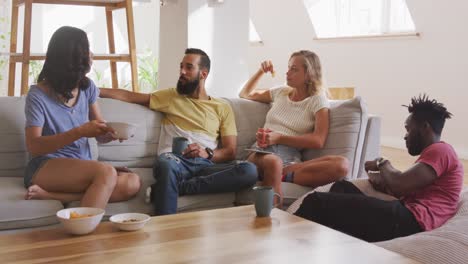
{"type": "Point", "coordinates": [231, 235]}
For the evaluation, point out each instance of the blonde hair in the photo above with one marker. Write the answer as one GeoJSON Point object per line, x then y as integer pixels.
{"type": "Point", "coordinates": [313, 70]}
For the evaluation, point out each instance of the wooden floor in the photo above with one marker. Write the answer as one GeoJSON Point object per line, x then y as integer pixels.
{"type": "Point", "coordinates": [402, 160]}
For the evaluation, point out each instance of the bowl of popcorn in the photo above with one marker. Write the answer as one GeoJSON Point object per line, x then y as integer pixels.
{"type": "Point", "coordinates": [129, 221]}
{"type": "Point", "coordinates": [80, 220]}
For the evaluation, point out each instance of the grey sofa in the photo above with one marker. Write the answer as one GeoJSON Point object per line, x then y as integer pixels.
{"type": "Point", "coordinates": [353, 134]}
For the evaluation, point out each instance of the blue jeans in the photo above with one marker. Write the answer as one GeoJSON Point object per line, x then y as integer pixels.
{"type": "Point", "coordinates": [176, 175]}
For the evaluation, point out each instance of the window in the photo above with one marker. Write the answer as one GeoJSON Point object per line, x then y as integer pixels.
{"type": "Point", "coordinates": [349, 18]}
{"type": "Point", "coordinates": [253, 34]}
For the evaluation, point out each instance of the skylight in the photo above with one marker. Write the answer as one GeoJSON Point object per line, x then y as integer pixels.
{"type": "Point", "coordinates": [349, 18]}
{"type": "Point", "coordinates": [253, 34]}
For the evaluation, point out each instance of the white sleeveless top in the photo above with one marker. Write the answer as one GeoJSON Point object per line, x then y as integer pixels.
{"type": "Point", "coordinates": [293, 118]}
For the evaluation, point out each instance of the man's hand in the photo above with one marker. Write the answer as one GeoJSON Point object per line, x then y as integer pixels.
{"type": "Point", "coordinates": [371, 165]}
{"type": "Point", "coordinates": [376, 181]}
{"type": "Point", "coordinates": [194, 150]}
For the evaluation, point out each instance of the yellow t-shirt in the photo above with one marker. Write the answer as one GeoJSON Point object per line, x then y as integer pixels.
{"type": "Point", "coordinates": [201, 121]}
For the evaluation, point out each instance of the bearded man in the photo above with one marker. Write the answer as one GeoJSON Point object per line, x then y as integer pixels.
{"type": "Point", "coordinates": [190, 112]}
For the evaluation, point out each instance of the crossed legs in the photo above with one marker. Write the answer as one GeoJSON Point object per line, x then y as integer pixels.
{"type": "Point", "coordinates": [312, 173]}
{"type": "Point", "coordinates": [94, 183]}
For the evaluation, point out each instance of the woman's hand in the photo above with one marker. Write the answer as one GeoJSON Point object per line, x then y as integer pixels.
{"type": "Point", "coordinates": [267, 137]}
{"type": "Point", "coordinates": [94, 128]}
{"type": "Point", "coordinates": [108, 137]}
{"type": "Point", "coordinates": [267, 66]}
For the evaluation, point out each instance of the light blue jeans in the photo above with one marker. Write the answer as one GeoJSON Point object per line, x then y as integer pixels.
{"type": "Point", "coordinates": [176, 175]}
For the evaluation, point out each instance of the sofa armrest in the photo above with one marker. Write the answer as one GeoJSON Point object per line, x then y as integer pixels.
{"type": "Point", "coordinates": [371, 146]}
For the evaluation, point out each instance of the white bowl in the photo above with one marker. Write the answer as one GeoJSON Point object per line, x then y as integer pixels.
{"type": "Point", "coordinates": [82, 225]}
{"type": "Point", "coordinates": [129, 221]}
{"type": "Point", "coordinates": [123, 130]}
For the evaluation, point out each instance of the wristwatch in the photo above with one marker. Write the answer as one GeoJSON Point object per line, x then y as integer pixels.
{"type": "Point", "coordinates": [210, 152]}
{"type": "Point", "coordinates": [381, 161]}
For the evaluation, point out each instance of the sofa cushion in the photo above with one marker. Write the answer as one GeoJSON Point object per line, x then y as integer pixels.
{"type": "Point", "coordinates": [16, 212]}
{"type": "Point", "coordinates": [140, 150]}
{"type": "Point", "coordinates": [446, 244]}
{"type": "Point", "coordinates": [348, 122]}
{"type": "Point", "coordinates": [13, 155]}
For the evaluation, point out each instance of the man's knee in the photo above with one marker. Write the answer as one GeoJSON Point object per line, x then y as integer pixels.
{"type": "Point", "coordinates": [311, 205]}
{"type": "Point", "coordinates": [164, 164]}
{"type": "Point", "coordinates": [248, 172]}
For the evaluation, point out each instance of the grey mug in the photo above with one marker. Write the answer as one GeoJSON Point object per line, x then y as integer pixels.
{"type": "Point", "coordinates": [179, 144]}
{"type": "Point", "coordinates": [263, 197]}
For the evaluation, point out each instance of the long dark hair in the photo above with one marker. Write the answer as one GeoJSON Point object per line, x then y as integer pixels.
{"type": "Point", "coordinates": [67, 62]}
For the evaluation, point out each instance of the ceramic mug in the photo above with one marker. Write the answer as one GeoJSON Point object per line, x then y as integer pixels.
{"type": "Point", "coordinates": [263, 197]}
{"type": "Point", "coordinates": [179, 144]}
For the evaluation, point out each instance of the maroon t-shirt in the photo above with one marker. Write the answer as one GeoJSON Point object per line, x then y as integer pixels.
{"type": "Point", "coordinates": [433, 205]}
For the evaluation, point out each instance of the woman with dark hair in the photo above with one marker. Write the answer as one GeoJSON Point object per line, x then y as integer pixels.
{"type": "Point", "coordinates": [61, 114]}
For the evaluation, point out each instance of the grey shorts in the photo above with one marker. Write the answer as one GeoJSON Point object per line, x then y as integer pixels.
{"type": "Point", "coordinates": [288, 155]}
{"type": "Point", "coordinates": [31, 169]}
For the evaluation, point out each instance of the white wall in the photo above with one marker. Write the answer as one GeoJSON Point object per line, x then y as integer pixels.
{"type": "Point", "coordinates": [174, 40]}
{"type": "Point", "coordinates": [385, 72]}
{"type": "Point", "coordinates": [221, 30]}
{"type": "Point", "coordinates": [48, 18]}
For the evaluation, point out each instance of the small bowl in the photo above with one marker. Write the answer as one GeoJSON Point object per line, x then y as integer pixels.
{"type": "Point", "coordinates": [84, 224]}
{"type": "Point", "coordinates": [129, 221]}
{"type": "Point", "coordinates": [124, 130]}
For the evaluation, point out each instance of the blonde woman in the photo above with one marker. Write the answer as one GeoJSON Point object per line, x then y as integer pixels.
{"type": "Point", "coordinates": [297, 120]}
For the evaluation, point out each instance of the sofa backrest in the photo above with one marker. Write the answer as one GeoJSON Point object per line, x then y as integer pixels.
{"type": "Point", "coordinates": [140, 150]}
{"type": "Point", "coordinates": [249, 116]}
{"type": "Point", "coordinates": [13, 155]}
{"type": "Point", "coordinates": [348, 122]}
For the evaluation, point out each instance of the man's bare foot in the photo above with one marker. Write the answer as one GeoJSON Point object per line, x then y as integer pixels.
{"type": "Point", "coordinates": [35, 192]}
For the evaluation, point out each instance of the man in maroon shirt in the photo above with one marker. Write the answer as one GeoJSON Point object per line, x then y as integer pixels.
{"type": "Point", "coordinates": [428, 192]}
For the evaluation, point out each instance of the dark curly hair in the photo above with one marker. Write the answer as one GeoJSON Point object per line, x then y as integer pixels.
{"type": "Point", "coordinates": [430, 111]}
{"type": "Point", "coordinates": [67, 62]}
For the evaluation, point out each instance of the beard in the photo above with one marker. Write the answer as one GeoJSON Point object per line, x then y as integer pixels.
{"type": "Point", "coordinates": [415, 146]}
{"type": "Point", "coordinates": [188, 87]}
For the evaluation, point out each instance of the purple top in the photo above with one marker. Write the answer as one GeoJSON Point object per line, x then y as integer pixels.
{"type": "Point", "coordinates": [54, 117]}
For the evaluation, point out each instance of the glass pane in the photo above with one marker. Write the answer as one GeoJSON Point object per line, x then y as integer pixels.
{"type": "Point", "coordinates": [400, 17]}
{"type": "Point", "coordinates": [253, 34]}
{"type": "Point", "coordinates": [341, 18]}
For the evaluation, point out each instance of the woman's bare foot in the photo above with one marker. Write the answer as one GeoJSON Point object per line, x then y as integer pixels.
{"type": "Point", "coordinates": [35, 192]}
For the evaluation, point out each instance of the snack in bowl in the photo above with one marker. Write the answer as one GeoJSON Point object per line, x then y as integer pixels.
{"type": "Point", "coordinates": [123, 130]}
{"type": "Point", "coordinates": [74, 214]}
{"type": "Point", "coordinates": [80, 220]}
{"type": "Point", "coordinates": [129, 221]}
